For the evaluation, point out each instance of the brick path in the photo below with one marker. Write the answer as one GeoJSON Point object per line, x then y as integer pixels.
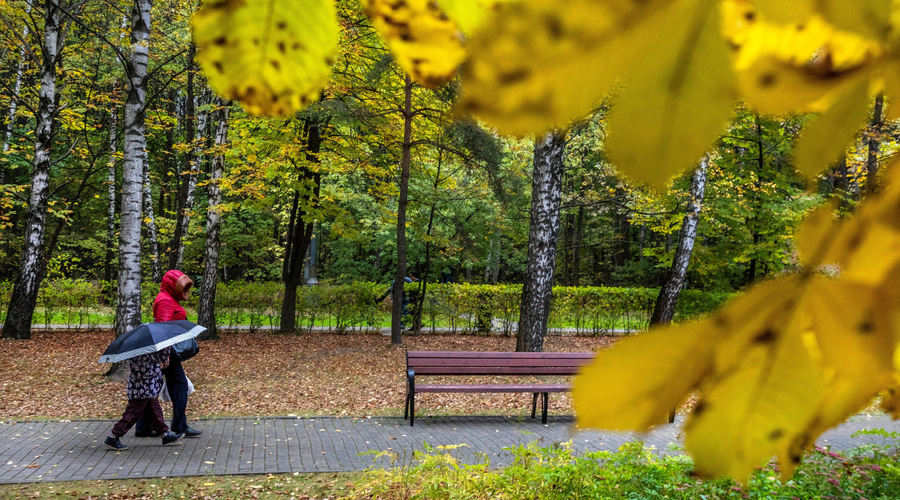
{"type": "Point", "coordinates": [73, 450]}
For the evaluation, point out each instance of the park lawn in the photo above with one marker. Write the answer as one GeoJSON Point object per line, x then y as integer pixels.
{"type": "Point", "coordinates": [297, 486]}
{"type": "Point", "coordinates": [55, 375]}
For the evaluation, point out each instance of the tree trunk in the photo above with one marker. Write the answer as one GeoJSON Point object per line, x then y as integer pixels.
{"type": "Point", "coordinates": [14, 98]}
{"type": "Point", "coordinates": [111, 188]}
{"type": "Point", "coordinates": [187, 180]}
{"type": "Point", "coordinates": [190, 185]}
{"type": "Point", "coordinates": [300, 233]}
{"type": "Point", "coordinates": [400, 274]}
{"type": "Point", "coordinates": [207, 311]}
{"type": "Point", "coordinates": [546, 194]}
{"type": "Point", "coordinates": [128, 308]}
{"type": "Point", "coordinates": [874, 144]}
{"type": "Point", "coordinates": [25, 290]}
{"type": "Point", "coordinates": [150, 220]}
{"type": "Point", "coordinates": [576, 244]}
{"type": "Point", "coordinates": [668, 294]}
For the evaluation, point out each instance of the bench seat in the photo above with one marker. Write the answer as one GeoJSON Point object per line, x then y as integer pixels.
{"type": "Point", "coordinates": [463, 363]}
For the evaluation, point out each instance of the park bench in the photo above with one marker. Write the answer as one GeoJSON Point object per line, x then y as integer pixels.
{"type": "Point", "coordinates": [456, 363]}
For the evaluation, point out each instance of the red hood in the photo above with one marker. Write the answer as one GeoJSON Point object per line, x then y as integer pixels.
{"type": "Point", "coordinates": [175, 283]}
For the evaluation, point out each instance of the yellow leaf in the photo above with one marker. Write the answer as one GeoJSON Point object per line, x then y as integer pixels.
{"type": "Point", "coordinates": [780, 11]}
{"type": "Point", "coordinates": [468, 14]}
{"type": "Point", "coordinates": [424, 42]}
{"type": "Point", "coordinates": [775, 87]}
{"type": "Point", "coordinates": [538, 65]}
{"type": "Point", "coordinates": [890, 402]}
{"type": "Point", "coordinates": [868, 17]}
{"type": "Point", "coordinates": [679, 97]}
{"type": "Point", "coordinates": [273, 56]}
{"type": "Point", "coordinates": [827, 138]}
{"type": "Point", "coordinates": [618, 391]}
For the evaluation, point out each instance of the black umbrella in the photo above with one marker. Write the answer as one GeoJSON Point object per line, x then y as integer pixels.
{"type": "Point", "coordinates": [150, 337]}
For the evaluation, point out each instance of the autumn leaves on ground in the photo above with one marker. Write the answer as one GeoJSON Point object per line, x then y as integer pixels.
{"type": "Point", "coordinates": [56, 375]}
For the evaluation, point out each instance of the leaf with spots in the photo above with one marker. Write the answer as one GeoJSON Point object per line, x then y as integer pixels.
{"type": "Point", "coordinates": [272, 56]}
{"type": "Point", "coordinates": [423, 40]}
{"type": "Point", "coordinates": [678, 99]}
{"type": "Point", "coordinates": [780, 11]}
{"type": "Point", "coordinates": [538, 65]}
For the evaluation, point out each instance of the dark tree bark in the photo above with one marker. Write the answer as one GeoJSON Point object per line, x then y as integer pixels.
{"type": "Point", "coordinates": [300, 232]}
{"type": "Point", "coordinates": [874, 144]}
{"type": "Point", "coordinates": [128, 309]}
{"type": "Point", "coordinates": [400, 273]}
{"type": "Point", "coordinates": [155, 264]}
{"type": "Point", "coordinates": [187, 178]}
{"type": "Point", "coordinates": [546, 195]}
{"type": "Point", "coordinates": [668, 294]}
{"type": "Point", "coordinates": [576, 246]}
{"type": "Point", "coordinates": [25, 290]}
{"type": "Point", "coordinates": [207, 310]}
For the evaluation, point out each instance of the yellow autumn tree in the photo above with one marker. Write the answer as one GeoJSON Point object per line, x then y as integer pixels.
{"type": "Point", "coordinates": [788, 359]}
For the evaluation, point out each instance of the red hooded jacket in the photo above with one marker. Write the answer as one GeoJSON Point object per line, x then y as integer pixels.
{"type": "Point", "coordinates": [174, 288]}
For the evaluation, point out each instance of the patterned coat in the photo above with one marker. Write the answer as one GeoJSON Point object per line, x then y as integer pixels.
{"type": "Point", "coordinates": [146, 377]}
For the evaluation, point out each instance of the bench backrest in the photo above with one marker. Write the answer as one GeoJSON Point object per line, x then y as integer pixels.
{"type": "Point", "coordinates": [496, 363]}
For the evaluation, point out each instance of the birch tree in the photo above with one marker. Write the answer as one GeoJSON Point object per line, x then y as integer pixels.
{"type": "Point", "coordinates": [150, 222]}
{"type": "Point", "coordinates": [32, 267]}
{"type": "Point", "coordinates": [546, 196]}
{"type": "Point", "coordinates": [17, 89]}
{"type": "Point", "coordinates": [668, 294]}
{"type": "Point", "coordinates": [207, 313]}
{"type": "Point", "coordinates": [128, 309]}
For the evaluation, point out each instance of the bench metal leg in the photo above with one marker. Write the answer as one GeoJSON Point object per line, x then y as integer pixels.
{"type": "Point", "coordinates": [545, 402]}
{"type": "Point", "coordinates": [672, 416]}
{"type": "Point", "coordinates": [534, 404]}
{"type": "Point", "coordinates": [406, 407]}
{"type": "Point", "coordinates": [412, 409]}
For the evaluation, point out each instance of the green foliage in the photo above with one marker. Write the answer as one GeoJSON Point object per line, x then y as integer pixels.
{"type": "Point", "coordinates": [559, 471]}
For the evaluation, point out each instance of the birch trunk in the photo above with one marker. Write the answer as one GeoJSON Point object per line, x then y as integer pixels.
{"type": "Point", "coordinates": [111, 189]}
{"type": "Point", "coordinates": [668, 294]}
{"type": "Point", "coordinates": [14, 98]}
{"type": "Point", "coordinates": [150, 221]}
{"type": "Point", "coordinates": [400, 274]}
{"type": "Point", "coordinates": [207, 309]}
{"type": "Point", "coordinates": [546, 195]}
{"type": "Point", "coordinates": [25, 290]}
{"type": "Point", "coordinates": [128, 309]}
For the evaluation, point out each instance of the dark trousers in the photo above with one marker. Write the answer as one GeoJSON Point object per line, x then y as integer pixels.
{"type": "Point", "coordinates": [147, 410]}
{"type": "Point", "coordinates": [176, 383]}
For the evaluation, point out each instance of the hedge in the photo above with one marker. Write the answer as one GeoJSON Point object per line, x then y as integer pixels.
{"type": "Point", "coordinates": [349, 307]}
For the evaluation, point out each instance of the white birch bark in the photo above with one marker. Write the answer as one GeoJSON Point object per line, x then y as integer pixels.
{"type": "Point", "coordinates": [150, 221]}
{"type": "Point", "coordinates": [207, 315]}
{"type": "Point", "coordinates": [14, 98]}
{"type": "Point", "coordinates": [28, 283]}
{"type": "Point", "coordinates": [128, 310]}
{"type": "Point", "coordinates": [668, 294]}
{"type": "Point", "coordinates": [111, 189]}
{"type": "Point", "coordinates": [546, 196]}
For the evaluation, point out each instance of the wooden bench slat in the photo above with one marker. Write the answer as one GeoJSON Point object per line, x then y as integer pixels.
{"type": "Point", "coordinates": [522, 362]}
{"type": "Point", "coordinates": [487, 354]}
{"type": "Point", "coordinates": [499, 370]}
{"type": "Point", "coordinates": [493, 388]}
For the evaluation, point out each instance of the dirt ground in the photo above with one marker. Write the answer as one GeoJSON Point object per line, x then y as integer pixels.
{"type": "Point", "coordinates": [56, 375]}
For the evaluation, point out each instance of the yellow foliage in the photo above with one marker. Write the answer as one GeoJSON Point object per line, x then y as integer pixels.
{"type": "Point", "coordinates": [424, 41]}
{"type": "Point", "coordinates": [272, 56]}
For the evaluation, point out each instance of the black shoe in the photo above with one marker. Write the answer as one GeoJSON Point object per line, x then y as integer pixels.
{"type": "Point", "coordinates": [114, 444]}
{"type": "Point", "coordinates": [148, 434]}
{"type": "Point", "coordinates": [169, 438]}
{"type": "Point", "coordinates": [192, 433]}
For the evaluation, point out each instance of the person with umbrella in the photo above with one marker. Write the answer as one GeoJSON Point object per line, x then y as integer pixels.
{"type": "Point", "coordinates": [174, 288]}
{"type": "Point", "coordinates": [148, 349]}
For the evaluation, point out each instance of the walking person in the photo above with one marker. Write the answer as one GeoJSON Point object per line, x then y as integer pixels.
{"type": "Point", "coordinates": [175, 287]}
{"type": "Point", "coordinates": [143, 387]}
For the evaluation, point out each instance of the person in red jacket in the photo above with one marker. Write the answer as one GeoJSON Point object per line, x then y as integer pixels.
{"type": "Point", "coordinates": [175, 287]}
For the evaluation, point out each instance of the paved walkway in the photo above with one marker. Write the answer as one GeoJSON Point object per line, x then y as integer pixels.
{"type": "Point", "coordinates": [35, 451]}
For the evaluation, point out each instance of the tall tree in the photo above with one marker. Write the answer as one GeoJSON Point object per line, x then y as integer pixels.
{"type": "Point", "coordinates": [188, 177]}
{"type": "Point", "coordinates": [207, 313]}
{"type": "Point", "coordinates": [668, 294]}
{"type": "Point", "coordinates": [874, 144]}
{"type": "Point", "coordinates": [150, 223]}
{"type": "Point", "coordinates": [128, 306]}
{"type": "Point", "coordinates": [546, 195]}
{"type": "Point", "coordinates": [25, 290]}
{"type": "Point", "coordinates": [400, 273]}
{"type": "Point", "coordinates": [17, 89]}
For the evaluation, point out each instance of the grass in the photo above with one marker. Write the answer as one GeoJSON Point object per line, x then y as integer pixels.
{"type": "Point", "coordinates": [298, 486]}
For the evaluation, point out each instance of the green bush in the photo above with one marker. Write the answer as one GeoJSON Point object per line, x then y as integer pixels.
{"type": "Point", "coordinates": [558, 472]}
{"type": "Point", "coordinates": [349, 307]}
